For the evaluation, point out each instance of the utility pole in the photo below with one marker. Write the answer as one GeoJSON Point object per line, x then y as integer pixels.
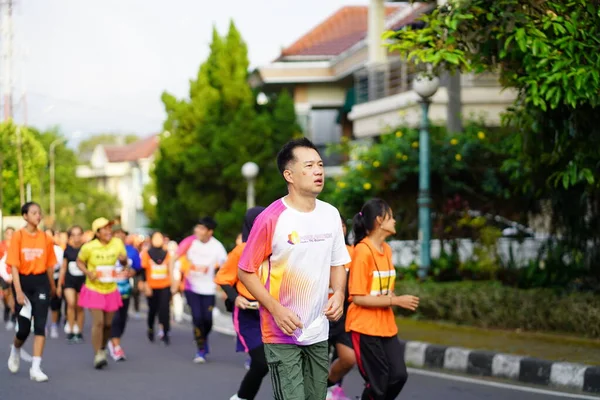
{"type": "Point", "coordinates": [7, 55]}
{"type": "Point", "coordinates": [20, 164]}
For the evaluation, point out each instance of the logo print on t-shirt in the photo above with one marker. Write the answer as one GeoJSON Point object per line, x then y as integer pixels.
{"type": "Point", "coordinates": [293, 238]}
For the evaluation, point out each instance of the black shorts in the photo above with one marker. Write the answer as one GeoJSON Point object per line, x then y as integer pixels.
{"type": "Point", "coordinates": [3, 284]}
{"type": "Point", "coordinates": [37, 289]}
{"type": "Point", "coordinates": [55, 301]}
{"type": "Point", "coordinates": [74, 282]}
{"type": "Point", "coordinates": [338, 334]}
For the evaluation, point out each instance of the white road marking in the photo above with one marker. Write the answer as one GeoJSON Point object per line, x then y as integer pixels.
{"type": "Point", "coordinates": [500, 385]}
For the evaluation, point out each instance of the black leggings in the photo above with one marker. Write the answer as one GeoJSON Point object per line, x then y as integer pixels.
{"type": "Point", "coordinates": [37, 289]}
{"type": "Point", "coordinates": [258, 370]}
{"type": "Point", "coordinates": [380, 361]}
{"type": "Point", "coordinates": [120, 320]}
{"type": "Point", "coordinates": [159, 303]}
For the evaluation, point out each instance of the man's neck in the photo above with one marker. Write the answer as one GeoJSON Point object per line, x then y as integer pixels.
{"type": "Point", "coordinates": [301, 203]}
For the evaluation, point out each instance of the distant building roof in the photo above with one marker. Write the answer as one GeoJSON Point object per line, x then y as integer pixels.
{"type": "Point", "coordinates": [143, 148]}
{"type": "Point", "coordinates": [338, 33]}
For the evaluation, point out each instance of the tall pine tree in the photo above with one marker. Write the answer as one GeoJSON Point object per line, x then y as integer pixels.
{"type": "Point", "coordinates": [211, 135]}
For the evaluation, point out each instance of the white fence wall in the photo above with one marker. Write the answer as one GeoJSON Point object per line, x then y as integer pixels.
{"type": "Point", "coordinates": [405, 252]}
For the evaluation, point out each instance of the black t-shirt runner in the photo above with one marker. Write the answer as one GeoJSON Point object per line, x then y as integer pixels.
{"type": "Point", "coordinates": [71, 254]}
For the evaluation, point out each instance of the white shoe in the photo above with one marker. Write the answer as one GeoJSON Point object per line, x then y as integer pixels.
{"type": "Point", "coordinates": [36, 374]}
{"type": "Point", "coordinates": [14, 362]}
{"type": "Point", "coordinates": [235, 397]}
{"type": "Point", "coordinates": [111, 350]}
{"type": "Point", "coordinates": [54, 332]}
{"type": "Point", "coordinates": [68, 330]}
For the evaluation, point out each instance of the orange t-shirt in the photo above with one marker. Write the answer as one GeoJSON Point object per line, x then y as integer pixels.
{"type": "Point", "coordinates": [184, 267]}
{"type": "Point", "coordinates": [228, 273]}
{"type": "Point", "coordinates": [372, 274]}
{"type": "Point", "coordinates": [157, 275]}
{"type": "Point", "coordinates": [31, 254]}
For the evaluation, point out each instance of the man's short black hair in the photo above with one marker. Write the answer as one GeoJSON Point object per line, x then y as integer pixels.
{"type": "Point", "coordinates": [208, 223]}
{"type": "Point", "coordinates": [286, 154]}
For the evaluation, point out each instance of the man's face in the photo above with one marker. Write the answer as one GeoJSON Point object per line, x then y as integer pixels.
{"type": "Point", "coordinates": [120, 234]}
{"type": "Point", "coordinates": [202, 233]}
{"type": "Point", "coordinates": [306, 172]}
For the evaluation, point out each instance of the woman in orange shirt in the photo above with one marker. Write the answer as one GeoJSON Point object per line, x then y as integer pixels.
{"type": "Point", "coordinates": [31, 257]}
{"type": "Point", "coordinates": [156, 276]}
{"type": "Point", "coordinates": [246, 318]}
{"type": "Point", "coordinates": [370, 318]}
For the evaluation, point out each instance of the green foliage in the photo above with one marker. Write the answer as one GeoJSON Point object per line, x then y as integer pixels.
{"type": "Point", "coordinates": [547, 52]}
{"type": "Point", "coordinates": [210, 136]}
{"type": "Point", "coordinates": [491, 305]}
{"type": "Point", "coordinates": [466, 164]}
{"type": "Point", "coordinates": [77, 201]}
{"type": "Point", "coordinates": [34, 161]}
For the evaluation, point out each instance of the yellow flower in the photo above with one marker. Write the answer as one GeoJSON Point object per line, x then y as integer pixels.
{"type": "Point", "coordinates": [415, 145]}
{"type": "Point", "coordinates": [341, 184]}
{"type": "Point", "coordinates": [398, 156]}
{"type": "Point", "coordinates": [481, 135]}
{"type": "Point", "coordinates": [458, 157]}
{"type": "Point", "coordinates": [454, 142]}
{"type": "Point", "coordinates": [376, 164]}
{"type": "Point", "coordinates": [404, 157]}
{"type": "Point", "coordinates": [359, 167]}
{"type": "Point", "coordinates": [399, 134]}
{"type": "Point", "coordinates": [367, 186]}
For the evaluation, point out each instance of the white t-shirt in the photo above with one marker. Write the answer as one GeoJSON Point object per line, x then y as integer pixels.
{"type": "Point", "coordinates": [295, 252]}
{"type": "Point", "coordinates": [204, 259]}
{"type": "Point", "coordinates": [59, 253]}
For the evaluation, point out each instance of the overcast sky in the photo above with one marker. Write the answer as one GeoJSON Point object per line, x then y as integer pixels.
{"type": "Point", "coordinates": [94, 66]}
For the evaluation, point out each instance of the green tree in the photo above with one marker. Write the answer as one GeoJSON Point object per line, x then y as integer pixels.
{"type": "Point", "coordinates": [34, 161]}
{"type": "Point", "coordinates": [77, 200]}
{"type": "Point", "coordinates": [547, 51]}
{"type": "Point", "coordinates": [209, 136]}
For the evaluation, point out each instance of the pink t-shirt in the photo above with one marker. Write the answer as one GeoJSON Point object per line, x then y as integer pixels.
{"type": "Point", "coordinates": [294, 252]}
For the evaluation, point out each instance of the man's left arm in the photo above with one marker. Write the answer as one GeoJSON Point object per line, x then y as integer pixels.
{"type": "Point", "coordinates": [337, 275]}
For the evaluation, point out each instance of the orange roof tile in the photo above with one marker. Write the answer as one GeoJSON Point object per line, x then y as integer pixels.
{"type": "Point", "coordinates": [143, 148]}
{"type": "Point", "coordinates": [337, 33]}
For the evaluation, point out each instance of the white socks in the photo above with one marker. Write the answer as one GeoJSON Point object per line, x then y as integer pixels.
{"type": "Point", "coordinates": [14, 352]}
{"type": "Point", "coordinates": [36, 363]}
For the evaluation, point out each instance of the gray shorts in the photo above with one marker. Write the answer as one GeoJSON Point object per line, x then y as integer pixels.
{"type": "Point", "coordinates": [298, 372]}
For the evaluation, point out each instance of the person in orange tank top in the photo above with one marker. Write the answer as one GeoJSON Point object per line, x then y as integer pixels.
{"type": "Point", "coordinates": [370, 318]}
{"type": "Point", "coordinates": [157, 277]}
{"type": "Point", "coordinates": [246, 317]}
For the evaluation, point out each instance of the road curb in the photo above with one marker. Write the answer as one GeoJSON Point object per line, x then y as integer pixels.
{"type": "Point", "coordinates": [481, 363]}
{"type": "Point", "coordinates": [506, 366]}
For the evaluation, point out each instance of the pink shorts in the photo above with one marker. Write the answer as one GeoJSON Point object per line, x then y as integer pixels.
{"type": "Point", "coordinates": [109, 302]}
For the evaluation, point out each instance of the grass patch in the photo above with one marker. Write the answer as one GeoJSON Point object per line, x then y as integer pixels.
{"type": "Point", "coordinates": [539, 345]}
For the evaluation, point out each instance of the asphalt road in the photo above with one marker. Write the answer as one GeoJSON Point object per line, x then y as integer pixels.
{"type": "Point", "coordinates": [155, 372]}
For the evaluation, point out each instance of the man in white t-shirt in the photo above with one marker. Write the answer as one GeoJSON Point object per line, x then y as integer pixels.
{"type": "Point", "coordinates": [297, 247]}
{"type": "Point", "coordinates": [205, 255]}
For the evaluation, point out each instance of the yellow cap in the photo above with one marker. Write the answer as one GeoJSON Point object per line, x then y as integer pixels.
{"type": "Point", "coordinates": [100, 223]}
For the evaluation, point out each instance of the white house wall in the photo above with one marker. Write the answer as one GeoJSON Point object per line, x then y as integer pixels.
{"type": "Point", "coordinates": [376, 117]}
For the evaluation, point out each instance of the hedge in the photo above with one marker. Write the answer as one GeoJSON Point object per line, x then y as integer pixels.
{"type": "Point", "coordinates": [491, 305]}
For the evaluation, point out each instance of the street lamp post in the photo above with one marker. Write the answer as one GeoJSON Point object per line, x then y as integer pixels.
{"type": "Point", "coordinates": [52, 184]}
{"type": "Point", "coordinates": [250, 172]}
{"type": "Point", "coordinates": [426, 85]}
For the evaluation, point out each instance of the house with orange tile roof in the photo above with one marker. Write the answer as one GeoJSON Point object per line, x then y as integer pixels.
{"type": "Point", "coordinates": [124, 170]}
{"type": "Point", "coordinates": [345, 83]}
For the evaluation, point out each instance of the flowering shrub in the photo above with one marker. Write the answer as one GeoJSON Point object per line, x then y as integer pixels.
{"type": "Point", "coordinates": [468, 164]}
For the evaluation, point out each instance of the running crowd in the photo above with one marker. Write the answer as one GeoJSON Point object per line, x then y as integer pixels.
{"type": "Point", "coordinates": [307, 305]}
